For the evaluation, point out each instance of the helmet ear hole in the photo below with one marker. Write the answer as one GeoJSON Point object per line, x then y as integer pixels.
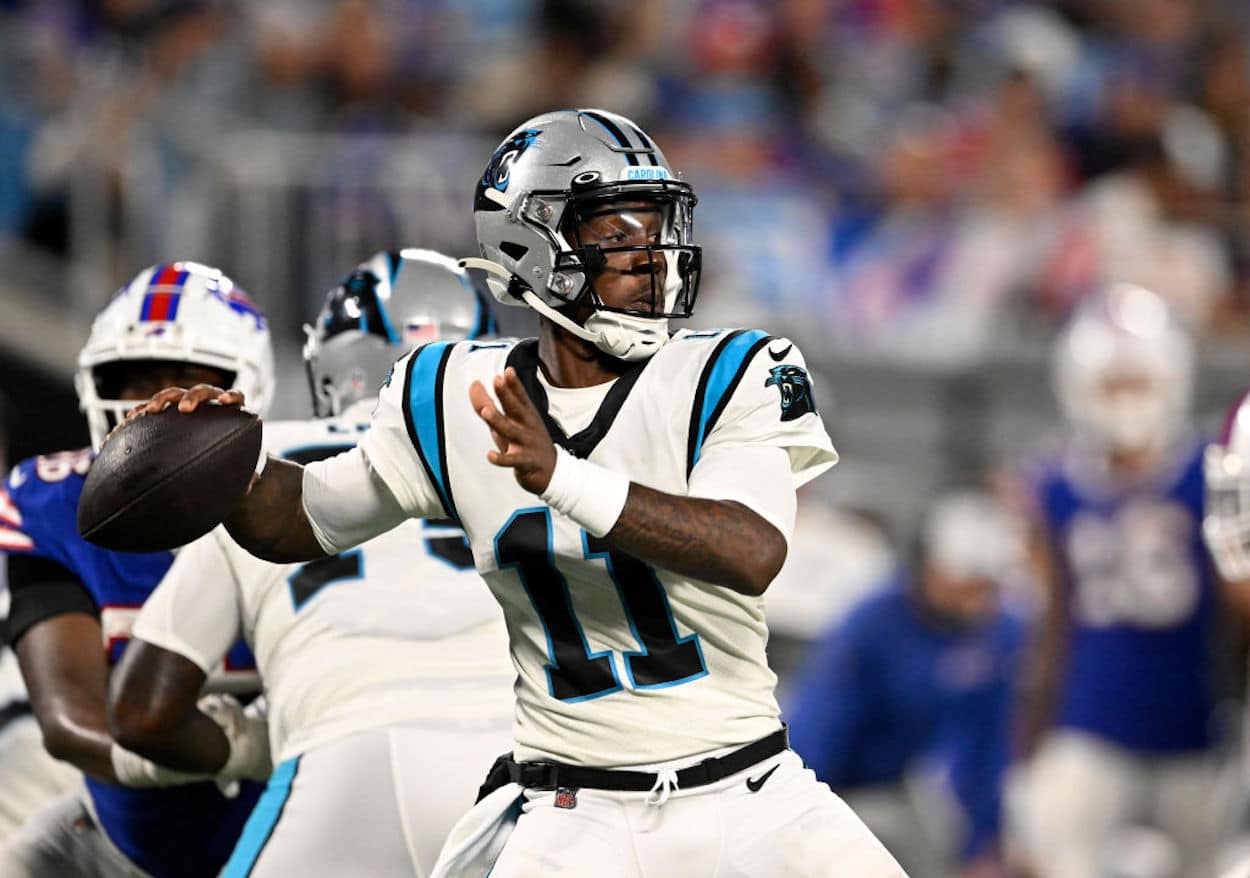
{"type": "Point", "coordinates": [513, 250]}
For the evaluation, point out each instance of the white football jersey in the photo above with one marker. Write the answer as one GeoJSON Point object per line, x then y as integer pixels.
{"type": "Point", "coordinates": [400, 630]}
{"type": "Point", "coordinates": [620, 663]}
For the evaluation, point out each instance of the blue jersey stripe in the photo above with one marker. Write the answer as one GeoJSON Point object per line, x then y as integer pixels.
{"type": "Point", "coordinates": [721, 376]}
{"type": "Point", "coordinates": [424, 416]}
{"type": "Point", "coordinates": [264, 819]}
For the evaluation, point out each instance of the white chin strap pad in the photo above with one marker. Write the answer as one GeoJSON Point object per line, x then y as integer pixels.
{"type": "Point", "coordinates": [626, 336]}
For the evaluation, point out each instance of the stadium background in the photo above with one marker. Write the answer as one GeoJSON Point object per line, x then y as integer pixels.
{"type": "Point", "coordinates": [918, 191]}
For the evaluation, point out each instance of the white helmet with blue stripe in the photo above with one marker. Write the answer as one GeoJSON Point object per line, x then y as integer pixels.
{"type": "Point", "coordinates": [389, 304]}
{"type": "Point", "coordinates": [552, 174]}
{"type": "Point", "coordinates": [179, 312]}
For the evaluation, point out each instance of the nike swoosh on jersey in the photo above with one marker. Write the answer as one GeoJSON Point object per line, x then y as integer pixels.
{"type": "Point", "coordinates": [778, 356]}
{"type": "Point", "coordinates": [754, 785]}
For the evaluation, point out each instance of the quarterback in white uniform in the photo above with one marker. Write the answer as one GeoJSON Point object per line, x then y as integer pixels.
{"type": "Point", "coordinates": [628, 496]}
{"type": "Point", "coordinates": [386, 667]}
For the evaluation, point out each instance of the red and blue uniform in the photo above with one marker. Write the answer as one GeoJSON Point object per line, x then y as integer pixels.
{"type": "Point", "coordinates": [1140, 598]}
{"type": "Point", "coordinates": [178, 831]}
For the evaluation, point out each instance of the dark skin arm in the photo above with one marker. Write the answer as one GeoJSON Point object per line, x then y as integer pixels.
{"type": "Point", "coordinates": [1044, 662]}
{"type": "Point", "coordinates": [66, 674]}
{"type": "Point", "coordinates": [152, 711]}
{"type": "Point", "coordinates": [716, 541]}
{"type": "Point", "coordinates": [269, 522]}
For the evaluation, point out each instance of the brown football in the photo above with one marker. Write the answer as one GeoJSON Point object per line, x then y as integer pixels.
{"type": "Point", "coordinates": [166, 479]}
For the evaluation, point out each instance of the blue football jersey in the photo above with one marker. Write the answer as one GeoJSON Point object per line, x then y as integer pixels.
{"type": "Point", "coordinates": [179, 831]}
{"type": "Point", "coordinates": [888, 689]}
{"type": "Point", "coordinates": [1140, 596]}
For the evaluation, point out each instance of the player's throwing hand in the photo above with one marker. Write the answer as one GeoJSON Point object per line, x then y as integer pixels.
{"type": "Point", "coordinates": [520, 435]}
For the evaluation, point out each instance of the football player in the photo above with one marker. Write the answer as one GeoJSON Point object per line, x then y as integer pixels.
{"type": "Point", "coordinates": [920, 675]}
{"type": "Point", "coordinates": [1125, 707]}
{"type": "Point", "coordinates": [386, 668]}
{"type": "Point", "coordinates": [73, 603]}
{"type": "Point", "coordinates": [628, 496]}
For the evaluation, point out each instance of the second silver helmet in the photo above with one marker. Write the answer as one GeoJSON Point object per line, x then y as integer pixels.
{"type": "Point", "coordinates": [389, 304]}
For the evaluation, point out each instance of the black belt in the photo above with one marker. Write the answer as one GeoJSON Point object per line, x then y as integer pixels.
{"type": "Point", "coordinates": [550, 775]}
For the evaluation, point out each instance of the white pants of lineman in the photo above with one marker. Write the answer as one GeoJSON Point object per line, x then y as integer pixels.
{"type": "Point", "coordinates": [30, 779]}
{"type": "Point", "coordinates": [1087, 806]}
{"type": "Point", "coordinates": [65, 841]}
{"type": "Point", "coordinates": [374, 803]}
{"type": "Point", "coordinates": [790, 826]}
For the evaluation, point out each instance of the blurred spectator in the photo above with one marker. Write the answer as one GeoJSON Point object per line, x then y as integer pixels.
{"type": "Point", "coordinates": [1141, 225]}
{"type": "Point", "coordinates": [917, 677]}
{"type": "Point", "coordinates": [1122, 704]}
{"type": "Point", "coordinates": [969, 207]}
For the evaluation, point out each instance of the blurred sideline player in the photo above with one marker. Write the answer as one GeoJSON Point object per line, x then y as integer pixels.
{"type": "Point", "coordinates": [73, 603]}
{"type": "Point", "coordinates": [1126, 656]}
{"type": "Point", "coordinates": [385, 668]}
{"type": "Point", "coordinates": [630, 552]}
{"type": "Point", "coordinates": [919, 678]}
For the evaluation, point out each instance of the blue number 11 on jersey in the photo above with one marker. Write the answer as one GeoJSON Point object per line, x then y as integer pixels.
{"type": "Point", "coordinates": [574, 672]}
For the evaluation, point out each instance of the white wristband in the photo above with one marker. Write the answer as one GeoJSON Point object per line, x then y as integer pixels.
{"type": "Point", "coordinates": [591, 495]}
{"type": "Point", "coordinates": [261, 461]}
{"type": "Point", "coordinates": [133, 770]}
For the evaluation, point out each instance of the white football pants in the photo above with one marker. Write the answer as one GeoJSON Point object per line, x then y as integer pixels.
{"type": "Point", "coordinates": [30, 779]}
{"type": "Point", "coordinates": [64, 840]}
{"type": "Point", "coordinates": [786, 824]}
{"type": "Point", "coordinates": [1083, 800]}
{"type": "Point", "coordinates": [374, 803]}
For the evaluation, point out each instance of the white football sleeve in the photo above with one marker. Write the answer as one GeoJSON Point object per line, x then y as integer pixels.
{"type": "Point", "coordinates": [774, 405]}
{"type": "Point", "coordinates": [347, 502]}
{"type": "Point", "coordinates": [757, 476]}
{"type": "Point", "coordinates": [391, 455]}
{"type": "Point", "coordinates": [195, 610]}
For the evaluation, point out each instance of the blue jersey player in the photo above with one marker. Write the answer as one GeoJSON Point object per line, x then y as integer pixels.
{"type": "Point", "coordinates": [73, 602]}
{"type": "Point", "coordinates": [1124, 709]}
{"type": "Point", "coordinates": [918, 679]}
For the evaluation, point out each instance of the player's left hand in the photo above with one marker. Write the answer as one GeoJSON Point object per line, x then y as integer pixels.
{"type": "Point", "coordinates": [521, 437]}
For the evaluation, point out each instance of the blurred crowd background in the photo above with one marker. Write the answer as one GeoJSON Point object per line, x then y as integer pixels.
{"type": "Point", "coordinates": [921, 188]}
{"type": "Point", "coordinates": [919, 191]}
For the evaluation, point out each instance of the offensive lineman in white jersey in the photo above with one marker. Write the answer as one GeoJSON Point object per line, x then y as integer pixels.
{"type": "Point", "coordinates": [628, 500]}
{"type": "Point", "coordinates": [386, 668]}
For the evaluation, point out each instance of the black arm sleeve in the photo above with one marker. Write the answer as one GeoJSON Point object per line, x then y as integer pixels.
{"type": "Point", "coordinates": [40, 588]}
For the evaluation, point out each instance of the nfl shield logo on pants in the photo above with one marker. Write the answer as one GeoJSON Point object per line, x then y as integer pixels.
{"type": "Point", "coordinates": [566, 798]}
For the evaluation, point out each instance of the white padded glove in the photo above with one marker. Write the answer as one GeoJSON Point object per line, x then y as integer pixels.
{"type": "Point", "coordinates": [247, 730]}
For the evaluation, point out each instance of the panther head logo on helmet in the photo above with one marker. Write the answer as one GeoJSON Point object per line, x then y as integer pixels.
{"type": "Point", "coordinates": [551, 177]}
{"type": "Point", "coordinates": [388, 305]}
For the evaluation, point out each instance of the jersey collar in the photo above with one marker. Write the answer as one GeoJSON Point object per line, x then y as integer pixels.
{"type": "Point", "coordinates": [524, 358]}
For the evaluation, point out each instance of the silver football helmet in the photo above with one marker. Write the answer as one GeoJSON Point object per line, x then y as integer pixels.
{"type": "Point", "coordinates": [563, 172]}
{"type": "Point", "coordinates": [1123, 369]}
{"type": "Point", "coordinates": [1226, 524]}
{"type": "Point", "coordinates": [388, 305]}
{"type": "Point", "coordinates": [180, 312]}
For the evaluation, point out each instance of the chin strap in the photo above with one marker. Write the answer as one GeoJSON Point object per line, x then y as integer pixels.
{"type": "Point", "coordinates": [623, 336]}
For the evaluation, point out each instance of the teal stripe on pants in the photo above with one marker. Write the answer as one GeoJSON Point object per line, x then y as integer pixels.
{"type": "Point", "coordinates": [262, 822]}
